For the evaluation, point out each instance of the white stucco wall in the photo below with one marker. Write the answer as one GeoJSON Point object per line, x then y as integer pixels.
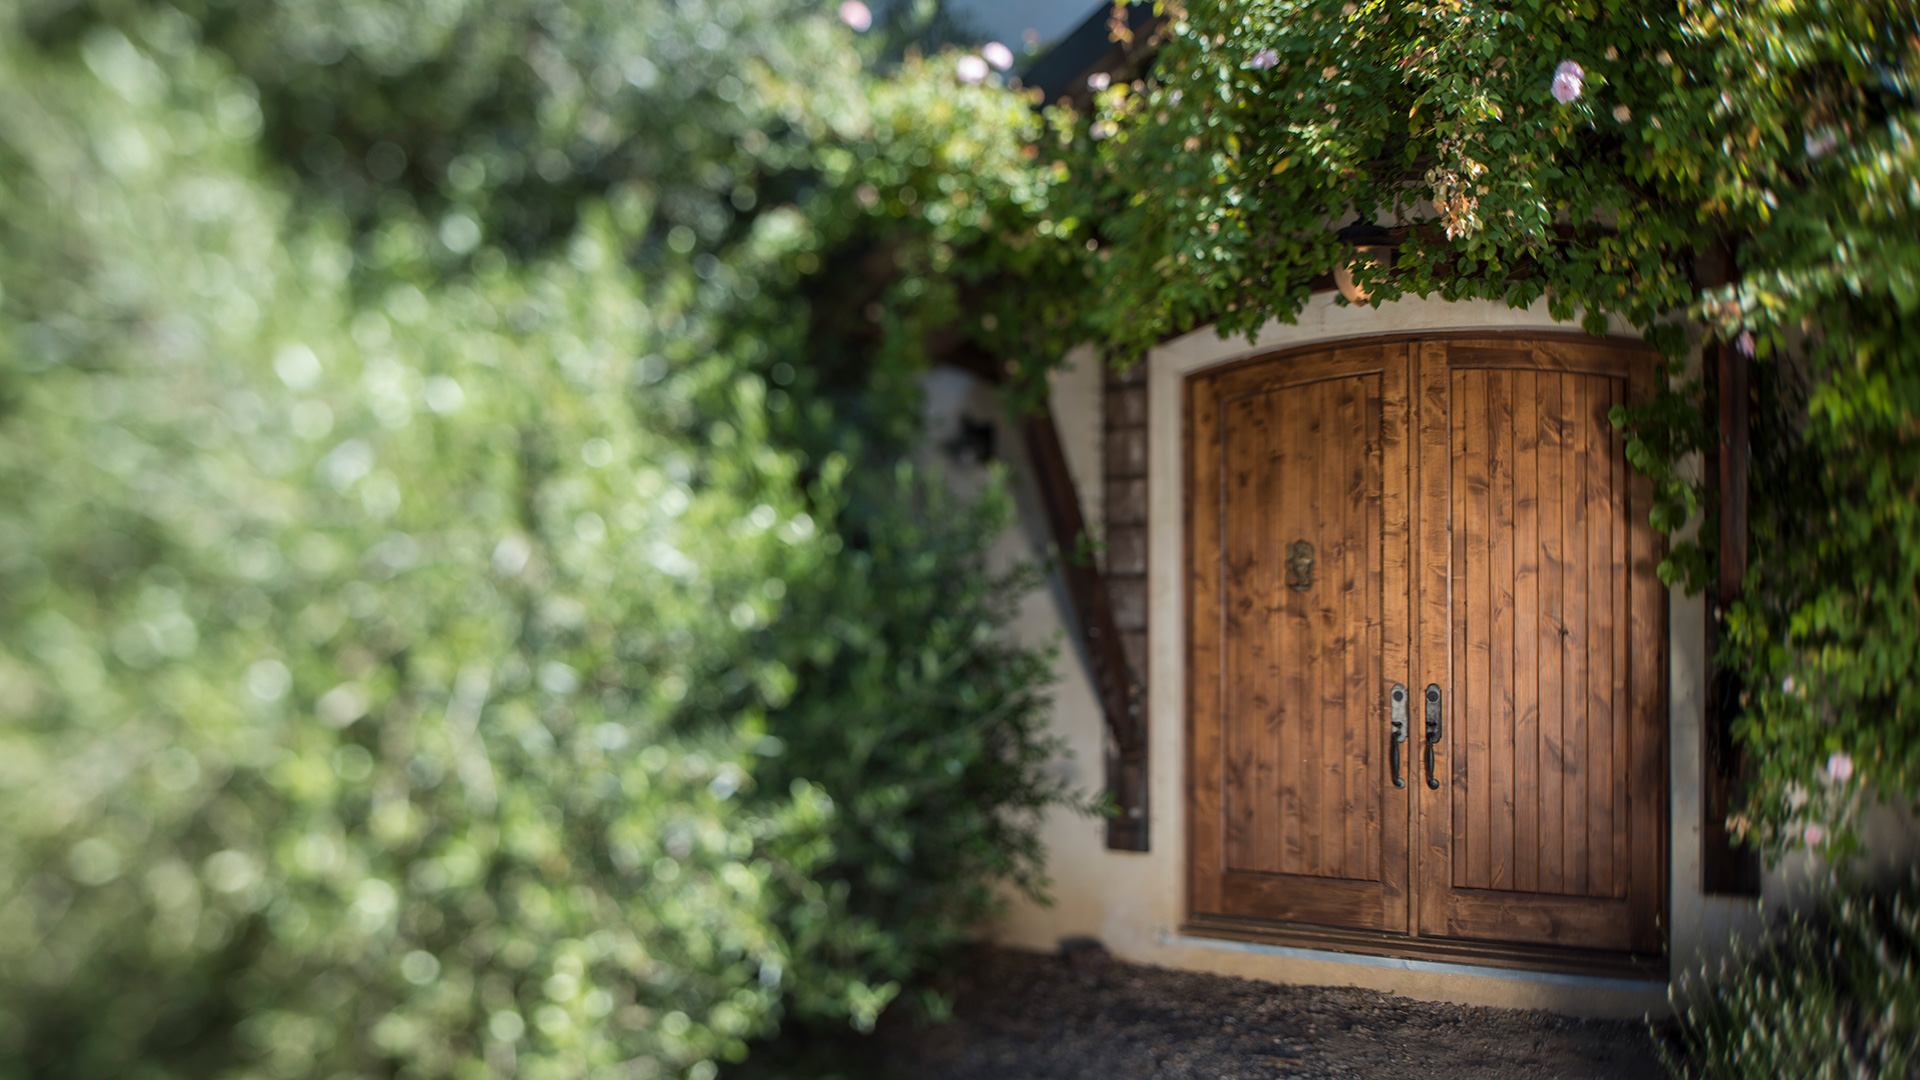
{"type": "Point", "coordinates": [1135, 902]}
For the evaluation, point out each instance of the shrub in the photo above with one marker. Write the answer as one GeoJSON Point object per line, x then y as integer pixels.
{"type": "Point", "coordinates": [446, 674]}
{"type": "Point", "coordinates": [1834, 995]}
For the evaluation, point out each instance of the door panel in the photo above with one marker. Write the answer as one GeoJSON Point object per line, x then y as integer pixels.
{"type": "Point", "coordinates": [1301, 466]}
{"type": "Point", "coordinates": [1537, 814]}
{"type": "Point", "coordinates": [1475, 526]}
{"type": "Point", "coordinates": [1548, 828]}
{"type": "Point", "coordinates": [1294, 817]}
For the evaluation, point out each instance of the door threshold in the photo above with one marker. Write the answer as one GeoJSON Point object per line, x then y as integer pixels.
{"type": "Point", "coordinates": [1197, 940]}
{"type": "Point", "coordinates": [1382, 949]}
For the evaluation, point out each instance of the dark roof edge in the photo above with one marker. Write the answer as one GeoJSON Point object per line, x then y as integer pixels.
{"type": "Point", "coordinates": [1063, 69]}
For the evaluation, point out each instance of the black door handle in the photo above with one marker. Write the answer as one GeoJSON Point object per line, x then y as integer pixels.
{"type": "Point", "coordinates": [1433, 731]}
{"type": "Point", "coordinates": [1397, 711]}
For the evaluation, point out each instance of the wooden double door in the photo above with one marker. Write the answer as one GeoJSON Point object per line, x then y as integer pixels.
{"type": "Point", "coordinates": [1426, 667]}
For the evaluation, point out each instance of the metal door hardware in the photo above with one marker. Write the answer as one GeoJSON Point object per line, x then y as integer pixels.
{"type": "Point", "coordinates": [1433, 731]}
{"type": "Point", "coordinates": [1398, 711]}
{"type": "Point", "coordinates": [1300, 566]}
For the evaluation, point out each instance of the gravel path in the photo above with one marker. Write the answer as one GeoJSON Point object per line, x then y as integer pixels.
{"type": "Point", "coordinates": [1021, 1016]}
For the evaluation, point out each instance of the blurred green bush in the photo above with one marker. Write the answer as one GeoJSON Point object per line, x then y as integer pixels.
{"type": "Point", "coordinates": [1834, 994]}
{"type": "Point", "coordinates": [432, 646]}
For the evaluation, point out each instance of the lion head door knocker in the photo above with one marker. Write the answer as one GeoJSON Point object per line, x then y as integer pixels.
{"type": "Point", "coordinates": [1299, 566]}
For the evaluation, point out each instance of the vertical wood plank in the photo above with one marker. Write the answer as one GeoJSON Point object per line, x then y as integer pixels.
{"type": "Point", "coordinates": [1366, 701]}
{"type": "Point", "coordinates": [1458, 587]}
{"type": "Point", "coordinates": [1267, 704]}
{"type": "Point", "coordinates": [1371, 702]}
{"type": "Point", "coordinates": [1347, 431]}
{"type": "Point", "coordinates": [1501, 676]}
{"type": "Point", "coordinates": [1358, 417]}
{"type": "Point", "coordinates": [1579, 635]}
{"type": "Point", "coordinates": [1621, 755]}
{"type": "Point", "coordinates": [1316, 787]}
{"type": "Point", "coordinates": [1552, 629]}
{"type": "Point", "coordinates": [1526, 631]}
{"type": "Point", "coordinates": [1601, 510]}
{"type": "Point", "coordinates": [1476, 698]}
{"type": "Point", "coordinates": [1435, 517]}
{"type": "Point", "coordinates": [1392, 643]}
{"type": "Point", "coordinates": [1329, 671]}
{"type": "Point", "coordinates": [1243, 439]}
{"type": "Point", "coordinates": [1204, 509]}
{"type": "Point", "coordinates": [1296, 488]}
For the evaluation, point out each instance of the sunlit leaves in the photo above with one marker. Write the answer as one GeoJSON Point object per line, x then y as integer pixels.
{"type": "Point", "coordinates": [421, 655]}
{"type": "Point", "coordinates": [1786, 132]}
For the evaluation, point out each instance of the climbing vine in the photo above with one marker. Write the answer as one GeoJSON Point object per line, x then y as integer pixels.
{"type": "Point", "coordinates": [1594, 156]}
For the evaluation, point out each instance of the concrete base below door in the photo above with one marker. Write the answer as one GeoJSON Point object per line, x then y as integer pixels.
{"type": "Point", "coordinates": [1611, 996]}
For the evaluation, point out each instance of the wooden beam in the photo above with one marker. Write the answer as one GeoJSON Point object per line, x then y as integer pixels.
{"type": "Point", "coordinates": [1736, 455]}
{"type": "Point", "coordinates": [1120, 691]}
{"type": "Point", "coordinates": [1727, 866]}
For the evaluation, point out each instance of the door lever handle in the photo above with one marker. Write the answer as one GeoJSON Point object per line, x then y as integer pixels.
{"type": "Point", "coordinates": [1398, 712]}
{"type": "Point", "coordinates": [1433, 731]}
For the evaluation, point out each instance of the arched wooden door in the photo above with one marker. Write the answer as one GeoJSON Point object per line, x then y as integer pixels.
{"type": "Point", "coordinates": [1452, 520]}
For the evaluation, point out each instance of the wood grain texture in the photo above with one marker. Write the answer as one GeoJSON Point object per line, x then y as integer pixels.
{"type": "Point", "coordinates": [1602, 509]}
{"type": "Point", "coordinates": [1249, 785]}
{"type": "Point", "coordinates": [1526, 631]}
{"type": "Point", "coordinates": [1501, 678]}
{"type": "Point", "coordinates": [1551, 628]}
{"type": "Point", "coordinates": [1296, 666]}
{"type": "Point", "coordinates": [1555, 614]}
{"type": "Point", "coordinates": [1579, 580]}
{"type": "Point", "coordinates": [1476, 526]}
{"type": "Point", "coordinates": [1287, 750]}
{"type": "Point", "coordinates": [1202, 507]}
{"type": "Point", "coordinates": [1438, 641]}
{"type": "Point", "coordinates": [1281, 897]}
{"type": "Point", "coordinates": [1542, 795]}
{"type": "Point", "coordinates": [1390, 640]}
{"type": "Point", "coordinates": [1471, 698]}
{"type": "Point", "coordinates": [1505, 915]}
{"type": "Point", "coordinates": [1321, 716]}
{"type": "Point", "coordinates": [1299, 464]}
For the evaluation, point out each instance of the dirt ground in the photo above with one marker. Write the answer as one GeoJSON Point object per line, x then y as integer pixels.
{"type": "Point", "coordinates": [1021, 1016]}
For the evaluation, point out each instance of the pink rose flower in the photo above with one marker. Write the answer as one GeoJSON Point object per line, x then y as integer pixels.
{"type": "Point", "coordinates": [1822, 142]}
{"type": "Point", "coordinates": [1815, 834]}
{"type": "Point", "coordinates": [1264, 59]}
{"type": "Point", "coordinates": [970, 69]}
{"type": "Point", "coordinates": [857, 15]}
{"type": "Point", "coordinates": [1840, 766]}
{"type": "Point", "coordinates": [997, 54]}
{"type": "Point", "coordinates": [1566, 82]}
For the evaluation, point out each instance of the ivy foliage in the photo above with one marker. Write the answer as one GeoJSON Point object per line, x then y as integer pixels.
{"type": "Point", "coordinates": [458, 624]}
{"type": "Point", "coordinates": [1596, 156]}
{"type": "Point", "coordinates": [1266, 125]}
{"type": "Point", "coordinates": [1826, 636]}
